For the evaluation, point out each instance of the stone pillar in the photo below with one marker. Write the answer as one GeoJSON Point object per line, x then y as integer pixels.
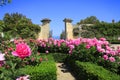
{"type": "Point", "coordinates": [68, 28]}
{"type": "Point", "coordinates": [45, 29]}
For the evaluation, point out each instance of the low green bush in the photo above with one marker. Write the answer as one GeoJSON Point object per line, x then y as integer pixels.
{"type": "Point", "coordinates": [59, 57]}
{"type": "Point", "coordinates": [90, 71]}
{"type": "Point", "coordinates": [44, 71]}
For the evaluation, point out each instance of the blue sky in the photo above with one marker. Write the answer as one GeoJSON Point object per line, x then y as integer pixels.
{"type": "Point", "coordinates": [57, 10]}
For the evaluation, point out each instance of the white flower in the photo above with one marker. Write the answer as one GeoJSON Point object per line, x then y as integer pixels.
{"type": "Point", "coordinates": [2, 58]}
{"type": "Point", "coordinates": [23, 78]}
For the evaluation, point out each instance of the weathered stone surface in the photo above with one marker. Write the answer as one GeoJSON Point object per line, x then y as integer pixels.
{"type": "Point", "coordinates": [45, 29]}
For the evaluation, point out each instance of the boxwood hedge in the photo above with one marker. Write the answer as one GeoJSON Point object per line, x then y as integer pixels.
{"type": "Point", "coordinates": [44, 71]}
{"type": "Point", "coordinates": [90, 71]}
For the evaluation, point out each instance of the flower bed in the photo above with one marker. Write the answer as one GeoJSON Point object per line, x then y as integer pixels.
{"type": "Point", "coordinates": [19, 59]}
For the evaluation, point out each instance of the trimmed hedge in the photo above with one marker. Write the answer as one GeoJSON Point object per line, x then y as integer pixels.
{"type": "Point", "coordinates": [90, 71]}
{"type": "Point", "coordinates": [44, 71]}
{"type": "Point", "coordinates": [59, 57]}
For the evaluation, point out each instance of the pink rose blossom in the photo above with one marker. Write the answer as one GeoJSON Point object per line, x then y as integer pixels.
{"type": "Point", "coordinates": [59, 44]}
{"type": "Point", "coordinates": [2, 59]}
{"type": "Point", "coordinates": [108, 48]}
{"type": "Point", "coordinates": [105, 57]}
{"type": "Point", "coordinates": [102, 39]}
{"type": "Point", "coordinates": [107, 52]}
{"type": "Point", "coordinates": [47, 52]}
{"type": "Point", "coordinates": [23, 78]}
{"type": "Point", "coordinates": [113, 53]}
{"type": "Point", "coordinates": [70, 52]}
{"type": "Point", "coordinates": [71, 47]}
{"type": "Point", "coordinates": [22, 50]}
{"type": "Point", "coordinates": [112, 59]}
{"type": "Point", "coordinates": [88, 46]}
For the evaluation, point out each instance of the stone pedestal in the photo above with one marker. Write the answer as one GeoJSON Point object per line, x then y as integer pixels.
{"type": "Point", "coordinates": [45, 29]}
{"type": "Point", "coordinates": [68, 28]}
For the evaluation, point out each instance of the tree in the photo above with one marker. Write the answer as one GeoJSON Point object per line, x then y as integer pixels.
{"type": "Point", "coordinates": [89, 20]}
{"type": "Point", "coordinates": [50, 34]}
{"type": "Point", "coordinates": [4, 2]}
{"type": "Point", "coordinates": [63, 35]}
{"type": "Point", "coordinates": [1, 25]}
{"type": "Point", "coordinates": [17, 25]}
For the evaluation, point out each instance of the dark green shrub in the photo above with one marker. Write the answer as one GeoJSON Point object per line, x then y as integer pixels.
{"type": "Point", "coordinates": [83, 54]}
{"type": "Point", "coordinates": [44, 71]}
{"type": "Point", "coordinates": [90, 71]}
{"type": "Point", "coordinates": [108, 30]}
{"type": "Point", "coordinates": [115, 41]}
{"type": "Point", "coordinates": [59, 57]}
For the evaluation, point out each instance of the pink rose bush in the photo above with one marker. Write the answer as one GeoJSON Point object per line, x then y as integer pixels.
{"type": "Point", "coordinates": [16, 54]}
{"type": "Point", "coordinates": [101, 45]}
{"type": "Point", "coordinates": [22, 50]}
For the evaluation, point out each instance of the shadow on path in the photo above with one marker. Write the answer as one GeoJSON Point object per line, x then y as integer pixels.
{"type": "Point", "coordinates": [63, 72]}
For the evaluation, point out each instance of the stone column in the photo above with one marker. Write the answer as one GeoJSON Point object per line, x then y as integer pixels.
{"type": "Point", "coordinates": [68, 28]}
{"type": "Point", "coordinates": [45, 29]}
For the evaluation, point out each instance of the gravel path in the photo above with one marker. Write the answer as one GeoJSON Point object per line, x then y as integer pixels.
{"type": "Point", "coordinates": [114, 46]}
{"type": "Point", "coordinates": [63, 73]}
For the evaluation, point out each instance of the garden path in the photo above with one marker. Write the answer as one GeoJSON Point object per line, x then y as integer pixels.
{"type": "Point", "coordinates": [115, 46]}
{"type": "Point", "coordinates": [63, 72]}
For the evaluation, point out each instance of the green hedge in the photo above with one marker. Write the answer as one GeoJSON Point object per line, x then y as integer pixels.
{"type": "Point", "coordinates": [90, 71]}
{"type": "Point", "coordinates": [59, 57]}
{"type": "Point", "coordinates": [44, 71]}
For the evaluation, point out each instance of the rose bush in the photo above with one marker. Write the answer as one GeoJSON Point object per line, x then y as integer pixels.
{"type": "Point", "coordinates": [16, 54]}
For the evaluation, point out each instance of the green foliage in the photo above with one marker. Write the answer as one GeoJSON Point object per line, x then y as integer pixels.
{"type": "Point", "coordinates": [59, 57]}
{"type": "Point", "coordinates": [89, 20]}
{"type": "Point", "coordinates": [17, 25]}
{"type": "Point", "coordinates": [45, 71]}
{"type": "Point", "coordinates": [81, 53]}
{"type": "Point", "coordinates": [9, 72]}
{"type": "Point", "coordinates": [62, 35]}
{"type": "Point", "coordinates": [1, 25]}
{"type": "Point", "coordinates": [90, 71]}
{"type": "Point", "coordinates": [110, 31]}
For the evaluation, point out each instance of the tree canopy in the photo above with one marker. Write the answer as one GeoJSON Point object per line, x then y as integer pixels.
{"type": "Point", "coordinates": [111, 31]}
{"type": "Point", "coordinates": [89, 20]}
{"type": "Point", "coordinates": [18, 25]}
